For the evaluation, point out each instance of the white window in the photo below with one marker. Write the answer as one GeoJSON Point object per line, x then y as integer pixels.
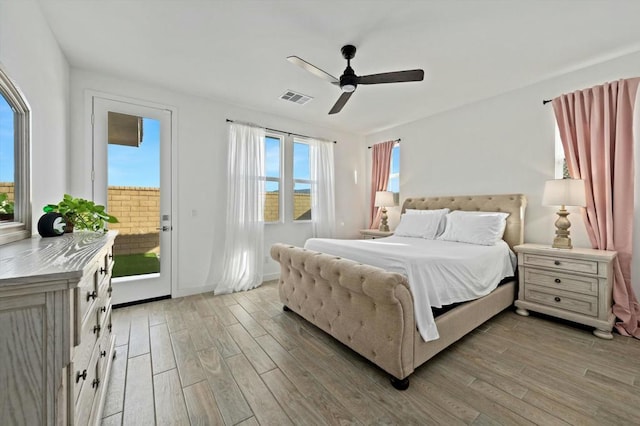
{"type": "Point", "coordinates": [273, 178]}
{"type": "Point", "coordinates": [301, 181]}
{"type": "Point", "coordinates": [561, 169]}
{"type": "Point", "coordinates": [15, 191]}
{"type": "Point", "coordinates": [394, 172]}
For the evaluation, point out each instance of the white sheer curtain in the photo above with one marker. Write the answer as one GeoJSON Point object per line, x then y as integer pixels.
{"type": "Point", "coordinates": [323, 212]}
{"type": "Point", "coordinates": [244, 240]}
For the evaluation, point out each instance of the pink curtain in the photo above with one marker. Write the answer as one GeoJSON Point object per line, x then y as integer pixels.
{"type": "Point", "coordinates": [596, 128]}
{"type": "Point", "coordinates": [380, 165]}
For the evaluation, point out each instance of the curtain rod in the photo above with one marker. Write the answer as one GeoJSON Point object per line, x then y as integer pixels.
{"type": "Point", "coordinates": [395, 140]}
{"type": "Point", "coordinates": [281, 131]}
{"type": "Point", "coordinates": [546, 101]}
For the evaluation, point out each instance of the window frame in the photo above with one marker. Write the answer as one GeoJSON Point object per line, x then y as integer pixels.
{"type": "Point", "coordinates": [20, 228]}
{"type": "Point", "coordinates": [396, 195]}
{"type": "Point", "coordinates": [294, 181]}
{"type": "Point", "coordinates": [279, 179]}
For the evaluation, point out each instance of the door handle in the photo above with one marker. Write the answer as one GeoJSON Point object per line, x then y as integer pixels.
{"type": "Point", "coordinates": [164, 228]}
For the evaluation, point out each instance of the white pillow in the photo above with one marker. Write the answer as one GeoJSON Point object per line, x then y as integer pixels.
{"type": "Point", "coordinates": [441, 211]}
{"type": "Point", "coordinates": [483, 228]}
{"type": "Point", "coordinates": [423, 225]}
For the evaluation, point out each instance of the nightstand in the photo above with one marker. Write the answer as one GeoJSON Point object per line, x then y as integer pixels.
{"type": "Point", "coordinates": [371, 234]}
{"type": "Point", "coordinates": [575, 285]}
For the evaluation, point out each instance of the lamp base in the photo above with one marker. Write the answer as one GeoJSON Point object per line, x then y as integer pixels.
{"type": "Point", "coordinates": [562, 239]}
{"type": "Point", "coordinates": [384, 227]}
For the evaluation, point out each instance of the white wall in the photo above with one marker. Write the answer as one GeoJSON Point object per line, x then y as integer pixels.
{"type": "Point", "coordinates": [31, 56]}
{"type": "Point", "coordinates": [201, 169]}
{"type": "Point", "coordinates": [501, 145]}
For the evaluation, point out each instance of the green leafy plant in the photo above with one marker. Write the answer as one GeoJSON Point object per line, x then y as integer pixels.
{"type": "Point", "coordinates": [82, 214]}
{"type": "Point", "coordinates": [6, 205]}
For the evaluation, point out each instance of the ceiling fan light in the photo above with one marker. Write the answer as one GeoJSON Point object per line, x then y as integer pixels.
{"type": "Point", "coordinates": [348, 88]}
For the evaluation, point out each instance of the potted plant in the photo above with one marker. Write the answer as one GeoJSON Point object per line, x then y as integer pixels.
{"type": "Point", "coordinates": [6, 207]}
{"type": "Point", "coordinates": [81, 214]}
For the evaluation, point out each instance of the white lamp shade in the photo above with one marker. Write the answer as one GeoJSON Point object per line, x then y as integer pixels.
{"type": "Point", "coordinates": [564, 192]}
{"type": "Point", "coordinates": [384, 199]}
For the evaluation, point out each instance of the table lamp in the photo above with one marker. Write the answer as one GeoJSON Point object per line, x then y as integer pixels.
{"type": "Point", "coordinates": [384, 199]}
{"type": "Point", "coordinates": [563, 192]}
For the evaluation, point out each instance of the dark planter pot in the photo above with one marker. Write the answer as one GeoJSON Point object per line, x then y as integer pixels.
{"type": "Point", "coordinates": [6, 216]}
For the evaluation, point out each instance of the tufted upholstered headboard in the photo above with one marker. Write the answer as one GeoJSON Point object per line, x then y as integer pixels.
{"type": "Point", "coordinates": [514, 204]}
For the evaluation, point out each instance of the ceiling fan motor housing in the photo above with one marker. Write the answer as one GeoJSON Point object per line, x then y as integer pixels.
{"type": "Point", "coordinates": [348, 80]}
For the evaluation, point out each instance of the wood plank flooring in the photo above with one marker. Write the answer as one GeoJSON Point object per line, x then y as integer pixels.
{"type": "Point", "coordinates": [240, 360]}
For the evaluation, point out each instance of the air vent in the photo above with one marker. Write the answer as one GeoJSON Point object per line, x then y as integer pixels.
{"type": "Point", "coordinates": [298, 98]}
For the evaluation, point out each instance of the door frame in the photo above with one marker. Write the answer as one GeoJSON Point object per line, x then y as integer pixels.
{"type": "Point", "coordinates": [89, 94]}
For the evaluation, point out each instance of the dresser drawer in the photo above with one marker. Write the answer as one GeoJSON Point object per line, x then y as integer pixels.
{"type": "Point", "coordinates": [84, 403]}
{"type": "Point", "coordinates": [86, 294]}
{"type": "Point", "coordinates": [558, 280]}
{"type": "Point", "coordinates": [562, 264]}
{"type": "Point", "coordinates": [89, 336]}
{"type": "Point", "coordinates": [575, 302]}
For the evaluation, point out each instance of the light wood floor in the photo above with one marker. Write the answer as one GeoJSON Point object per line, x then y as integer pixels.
{"type": "Point", "coordinates": [239, 359]}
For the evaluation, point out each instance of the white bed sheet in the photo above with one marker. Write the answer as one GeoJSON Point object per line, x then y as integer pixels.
{"type": "Point", "coordinates": [439, 272]}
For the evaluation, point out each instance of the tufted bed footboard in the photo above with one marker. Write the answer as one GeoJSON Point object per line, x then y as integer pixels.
{"type": "Point", "coordinates": [364, 307]}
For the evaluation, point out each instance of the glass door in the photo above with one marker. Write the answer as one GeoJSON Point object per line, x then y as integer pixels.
{"type": "Point", "coordinates": [132, 177]}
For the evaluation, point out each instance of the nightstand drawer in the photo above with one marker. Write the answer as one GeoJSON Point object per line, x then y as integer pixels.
{"type": "Point", "coordinates": [558, 280]}
{"type": "Point", "coordinates": [562, 264]}
{"type": "Point", "coordinates": [583, 304]}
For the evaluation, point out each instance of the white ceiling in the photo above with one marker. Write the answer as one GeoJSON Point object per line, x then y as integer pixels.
{"type": "Point", "coordinates": [235, 50]}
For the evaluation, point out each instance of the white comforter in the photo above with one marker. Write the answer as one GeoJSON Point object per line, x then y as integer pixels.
{"type": "Point", "coordinates": [439, 272]}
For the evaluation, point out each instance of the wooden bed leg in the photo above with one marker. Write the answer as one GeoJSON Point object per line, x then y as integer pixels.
{"type": "Point", "coordinates": [286, 308]}
{"type": "Point", "coordinates": [400, 384]}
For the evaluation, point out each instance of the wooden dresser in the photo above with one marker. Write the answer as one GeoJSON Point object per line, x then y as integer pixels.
{"type": "Point", "coordinates": [56, 346]}
{"type": "Point", "coordinates": [572, 284]}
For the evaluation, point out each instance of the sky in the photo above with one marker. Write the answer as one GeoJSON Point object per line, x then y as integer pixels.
{"type": "Point", "coordinates": [137, 166]}
{"type": "Point", "coordinates": [6, 142]}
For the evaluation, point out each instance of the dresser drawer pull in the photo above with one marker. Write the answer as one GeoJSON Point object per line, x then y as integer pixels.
{"type": "Point", "coordinates": [109, 327]}
{"type": "Point", "coordinates": [95, 383]}
{"type": "Point", "coordinates": [103, 354]}
{"type": "Point", "coordinates": [557, 262]}
{"type": "Point", "coordinates": [91, 295]}
{"type": "Point", "coordinates": [103, 270]}
{"type": "Point", "coordinates": [104, 308]}
{"type": "Point", "coordinates": [80, 375]}
{"type": "Point", "coordinates": [557, 299]}
{"type": "Point", "coordinates": [110, 255]}
{"type": "Point", "coordinates": [558, 280]}
{"type": "Point", "coordinates": [96, 328]}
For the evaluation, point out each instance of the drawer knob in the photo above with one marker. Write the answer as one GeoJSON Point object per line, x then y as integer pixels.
{"type": "Point", "coordinates": [110, 255]}
{"type": "Point", "coordinates": [91, 295]}
{"type": "Point", "coordinates": [109, 327]}
{"type": "Point", "coordinates": [557, 299]}
{"type": "Point", "coordinates": [556, 262]}
{"type": "Point", "coordinates": [103, 270]}
{"type": "Point", "coordinates": [96, 329]}
{"type": "Point", "coordinates": [80, 375]}
{"type": "Point", "coordinates": [558, 280]}
{"type": "Point", "coordinates": [109, 290]}
{"type": "Point", "coordinates": [95, 383]}
{"type": "Point", "coordinates": [103, 354]}
{"type": "Point", "coordinates": [104, 308]}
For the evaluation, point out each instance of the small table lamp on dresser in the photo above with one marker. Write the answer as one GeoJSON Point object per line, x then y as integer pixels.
{"type": "Point", "coordinates": [384, 199]}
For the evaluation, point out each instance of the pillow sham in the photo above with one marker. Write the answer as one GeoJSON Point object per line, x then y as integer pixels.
{"type": "Point", "coordinates": [441, 225]}
{"type": "Point", "coordinates": [423, 225]}
{"type": "Point", "coordinates": [482, 228]}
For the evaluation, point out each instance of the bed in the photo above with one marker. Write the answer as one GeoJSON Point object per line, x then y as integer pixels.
{"type": "Point", "coordinates": [371, 310]}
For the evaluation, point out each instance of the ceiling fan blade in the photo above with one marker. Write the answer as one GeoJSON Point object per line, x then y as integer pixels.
{"type": "Point", "coordinates": [340, 102]}
{"type": "Point", "coordinates": [313, 69]}
{"type": "Point", "coordinates": [392, 77]}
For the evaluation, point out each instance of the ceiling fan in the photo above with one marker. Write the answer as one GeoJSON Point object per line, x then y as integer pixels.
{"type": "Point", "coordinates": [349, 80]}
